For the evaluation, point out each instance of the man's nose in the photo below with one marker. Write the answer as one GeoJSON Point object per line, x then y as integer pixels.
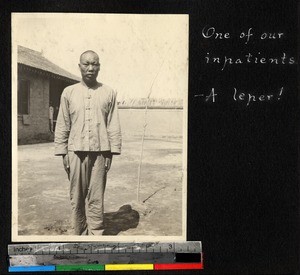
{"type": "Point", "coordinates": [90, 67]}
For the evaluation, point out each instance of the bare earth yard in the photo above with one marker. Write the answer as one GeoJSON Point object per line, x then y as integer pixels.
{"type": "Point", "coordinates": [43, 190]}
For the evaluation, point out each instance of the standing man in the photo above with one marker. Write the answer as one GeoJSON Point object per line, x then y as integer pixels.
{"type": "Point", "coordinates": [87, 136]}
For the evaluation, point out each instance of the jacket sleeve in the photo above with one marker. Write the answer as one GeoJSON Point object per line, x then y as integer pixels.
{"type": "Point", "coordinates": [113, 127]}
{"type": "Point", "coordinates": [63, 125]}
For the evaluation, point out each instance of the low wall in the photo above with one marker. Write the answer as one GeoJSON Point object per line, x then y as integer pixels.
{"type": "Point", "coordinates": [160, 122]}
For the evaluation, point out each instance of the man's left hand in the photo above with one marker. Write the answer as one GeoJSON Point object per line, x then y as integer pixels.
{"type": "Point", "coordinates": [108, 160]}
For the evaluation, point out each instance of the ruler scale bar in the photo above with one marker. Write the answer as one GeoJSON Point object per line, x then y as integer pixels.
{"type": "Point", "coordinates": [83, 248]}
{"type": "Point", "coordinates": [23, 260]}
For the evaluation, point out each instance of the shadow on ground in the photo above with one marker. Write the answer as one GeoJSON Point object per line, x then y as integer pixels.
{"type": "Point", "coordinates": [122, 220]}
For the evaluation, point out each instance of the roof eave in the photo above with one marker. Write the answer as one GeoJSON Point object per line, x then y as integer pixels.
{"type": "Point", "coordinates": [25, 67]}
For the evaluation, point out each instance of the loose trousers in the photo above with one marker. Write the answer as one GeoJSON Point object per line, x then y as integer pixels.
{"type": "Point", "coordinates": [87, 186]}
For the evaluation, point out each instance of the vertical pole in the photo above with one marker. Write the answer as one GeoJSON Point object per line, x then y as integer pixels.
{"type": "Point", "coordinates": [145, 125]}
{"type": "Point", "coordinates": [142, 150]}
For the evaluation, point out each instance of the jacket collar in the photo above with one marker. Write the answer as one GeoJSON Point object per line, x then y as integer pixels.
{"type": "Point", "coordinates": [96, 86]}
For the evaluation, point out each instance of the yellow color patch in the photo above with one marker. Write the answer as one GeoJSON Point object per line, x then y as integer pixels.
{"type": "Point", "coordinates": [129, 267]}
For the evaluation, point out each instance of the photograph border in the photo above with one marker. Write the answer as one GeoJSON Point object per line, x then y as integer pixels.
{"type": "Point", "coordinates": [73, 238]}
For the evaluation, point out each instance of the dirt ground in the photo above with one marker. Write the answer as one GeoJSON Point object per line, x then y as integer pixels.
{"type": "Point", "coordinates": [43, 190]}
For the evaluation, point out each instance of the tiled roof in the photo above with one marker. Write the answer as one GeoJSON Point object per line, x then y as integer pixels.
{"type": "Point", "coordinates": [36, 60]}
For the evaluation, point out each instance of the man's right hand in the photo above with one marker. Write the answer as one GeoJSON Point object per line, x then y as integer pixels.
{"type": "Point", "coordinates": [66, 164]}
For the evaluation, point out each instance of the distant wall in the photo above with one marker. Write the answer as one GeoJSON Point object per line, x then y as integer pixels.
{"type": "Point", "coordinates": [160, 122]}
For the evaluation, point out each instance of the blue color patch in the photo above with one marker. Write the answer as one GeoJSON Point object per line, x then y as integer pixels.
{"type": "Point", "coordinates": [38, 268]}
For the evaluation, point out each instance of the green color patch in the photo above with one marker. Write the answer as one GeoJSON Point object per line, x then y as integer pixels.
{"type": "Point", "coordinates": [86, 267]}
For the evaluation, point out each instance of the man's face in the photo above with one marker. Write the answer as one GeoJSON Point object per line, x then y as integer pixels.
{"type": "Point", "coordinates": [89, 67]}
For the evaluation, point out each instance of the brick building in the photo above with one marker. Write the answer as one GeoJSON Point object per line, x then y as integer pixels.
{"type": "Point", "coordinates": [40, 84]}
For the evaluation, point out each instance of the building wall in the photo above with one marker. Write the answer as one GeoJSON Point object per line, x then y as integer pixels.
{"type": "Point", "coordinates": [35, 126]}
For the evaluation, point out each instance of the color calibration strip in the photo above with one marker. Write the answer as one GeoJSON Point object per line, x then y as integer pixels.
{"type": "Point", "coordinates": [108, 267]}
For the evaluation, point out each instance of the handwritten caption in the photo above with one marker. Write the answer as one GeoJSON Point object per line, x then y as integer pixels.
{"type": "Point", "coordinates": [240, 96]}
{"type": "Point", "coordinates": [245, 58]}
{"type": "Point", "coordinates": [249, 57]}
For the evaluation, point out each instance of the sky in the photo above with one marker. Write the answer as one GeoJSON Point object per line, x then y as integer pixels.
{"type": "Point", "coordinates": [135, 50]}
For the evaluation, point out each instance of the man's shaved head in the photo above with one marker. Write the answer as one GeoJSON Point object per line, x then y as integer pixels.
{"type": "Point", "coordinates": [89, 67]}
{"type": "Point", "coordinates": [88, 52]}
